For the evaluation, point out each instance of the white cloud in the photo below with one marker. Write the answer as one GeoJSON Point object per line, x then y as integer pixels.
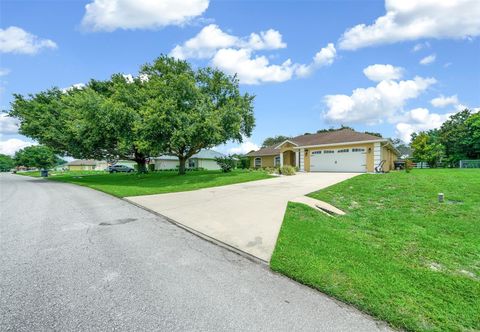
{"type": "Point", "coordinates": [211, 39]}
{"type": "Point", "coordinates": [252, 69]}
{"type": "Point", "coordinates": [205, 44]}
{"type": "Point", "coordinates": [12, 145]}
{"type": "Point", "coordinates": [243, 148]}
{"type": "Point", "coordinates": [420, 46]}
{"type": "Point", "coordinates": [443, 101]}
{"type": "Point", "coordinates": [266, 40]}
{"type": "Point", "coordinates": [109, 15]}
{"type": "Point", "coordinates": [4, 71]}
{"type": "Point", "coordinates": [428, 59]}
{"type": "Point", "coordinates": [236, 55]}
{"type": "Point", "coordinates": [16, 40]}
{"type": "Point", "coordinates": [8, 125]}
{"type": "Point", "coordinates": [324, 57]}
{"type": "Point", "coordinates": [412, 20]}
{"type": "Point", "coordinates": [419, 119]}
{"type": "Point", "coordinates": [379, 73]}
{"type": "Point", "coordinates": [73, 87]}
{"type": "Point", "coordinates": [374, 104]}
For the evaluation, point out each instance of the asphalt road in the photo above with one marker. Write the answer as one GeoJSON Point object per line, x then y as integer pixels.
{"type": "Point", "coordinates": [74, 259]}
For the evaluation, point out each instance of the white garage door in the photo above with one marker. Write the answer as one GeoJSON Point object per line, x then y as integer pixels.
{"type": "Point", "coordinates": [339, 160]}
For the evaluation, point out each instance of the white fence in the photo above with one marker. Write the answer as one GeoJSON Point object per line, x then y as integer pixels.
{"type": "Point", "coordinates": [420, 164]}
{"type": "Point", "coordinates": [470, 163]}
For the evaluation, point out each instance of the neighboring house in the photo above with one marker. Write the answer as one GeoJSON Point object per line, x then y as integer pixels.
{"type": "Point", "coordinates": [405, 152]}
{"type": "Point", "coordinates": [86, 165]}
{"type": "Point", "coordinates": [343, 150]}
{"type": "Point", "coordinates": [204, 159]}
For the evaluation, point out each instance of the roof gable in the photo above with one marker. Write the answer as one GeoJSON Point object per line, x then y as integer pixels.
{"type": "Point", "coordinates": [333, 137]}
{"type": "Point", "coordinates": [341, 136]}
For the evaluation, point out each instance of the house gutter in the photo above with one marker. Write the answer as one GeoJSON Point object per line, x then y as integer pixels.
{"type": "Point", "coordinates": [340, 144]}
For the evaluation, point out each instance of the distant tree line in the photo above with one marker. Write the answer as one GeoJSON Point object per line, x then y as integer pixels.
{"type": "Point", "coordinates": [36, 156]}
{"type": "Point", "coordinates": [457, 139]}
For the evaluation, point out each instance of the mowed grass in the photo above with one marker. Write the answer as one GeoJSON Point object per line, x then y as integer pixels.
{"type": "Point", "coordinates": [133, 184]}
{"type": "Point", "coordinates": [398, 254]}
{"type": "Point", "coordinates": [37, 174]}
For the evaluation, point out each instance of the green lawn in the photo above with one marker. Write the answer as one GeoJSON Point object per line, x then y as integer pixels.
{"type": "Point", "coordinates": [132, 184]}
{"type": "Point", "coordinates": [398, 254]}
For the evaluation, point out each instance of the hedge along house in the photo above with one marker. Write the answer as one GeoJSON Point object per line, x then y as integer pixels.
{"type": "Point", "coordinates": [342, 150]}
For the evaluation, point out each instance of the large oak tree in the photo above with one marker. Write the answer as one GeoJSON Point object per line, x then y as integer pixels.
{"type": "Point", "coordinates": [169, 108]}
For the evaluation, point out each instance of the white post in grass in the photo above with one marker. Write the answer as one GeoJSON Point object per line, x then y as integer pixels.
{"type": "Point", "coordinates": [441, 197]}
{"type": "Point", "coordinates": [377, 155]}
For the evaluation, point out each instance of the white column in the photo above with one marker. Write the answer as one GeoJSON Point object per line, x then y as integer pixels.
{"type": "Point", "coordinates": [377, 154]}
{"type": "Point", "coordinates": [297, 159]}
{"type": "Point", "coordinates": [281, 159]}
{"type": "Point", "coordinates": [302, 160]}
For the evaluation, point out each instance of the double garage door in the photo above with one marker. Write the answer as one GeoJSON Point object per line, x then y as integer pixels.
{"type": "Point", "coordinates": [339, 160]}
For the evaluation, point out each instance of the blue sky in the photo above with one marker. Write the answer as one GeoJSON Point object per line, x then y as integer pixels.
{"type": "Point", "coordinates": [329, 43]}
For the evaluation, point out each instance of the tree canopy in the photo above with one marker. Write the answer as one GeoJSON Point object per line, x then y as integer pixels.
{"type": "Point", "coordinates": [6, 163]}
{"type": "Point", "coordinates": [426, 148]}
{"type": "Point", "coordinates": [36, 156]}
{"type": "Point", "coordinates": [170, 108]}
{"type": "Point", "coordinates": [458, 138]}
{"type": "Point", "coordinates": [274, 140]}
{"type": "Point", "coordinates": [461, 136]}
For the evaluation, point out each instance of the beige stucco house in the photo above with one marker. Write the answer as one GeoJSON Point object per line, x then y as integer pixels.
{"type": "Point", "coordinates": [342, 150]}
{"type": "Point", "coordinates": [87, 165]}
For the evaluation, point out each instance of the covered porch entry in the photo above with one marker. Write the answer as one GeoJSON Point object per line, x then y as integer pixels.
{"type": "Point", "coordinates": [285, 158]}
{"type": "Point", "coordinates": [289, 155]}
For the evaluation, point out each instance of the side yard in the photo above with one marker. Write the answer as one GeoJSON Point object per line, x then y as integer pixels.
{"type": "Point", "coordinates": [398, 254]}
{"type": "Point", "coordinates": [125, 184]}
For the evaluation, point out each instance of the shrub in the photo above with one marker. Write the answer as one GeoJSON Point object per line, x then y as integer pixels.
{"type": "Point", "coordinates": [226, 163]}
{"type": "Point", "coordinates": [287, 170]}
{"type": "Point", "coordinates": [151, 167]}
{"type": "Point", "coordinates": [243, 162]}
{"type": "Point", "coordinates": [408, 165]}
{"type": "Point", "coordinates": [270, 170]}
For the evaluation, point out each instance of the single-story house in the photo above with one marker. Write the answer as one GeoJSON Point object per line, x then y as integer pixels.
{"type": "Point", "coordinates": [204, 159]}
{"type": "Point", "coordinates": [87, 165]}
{"type": "Point", "coordinates": [342, 150]}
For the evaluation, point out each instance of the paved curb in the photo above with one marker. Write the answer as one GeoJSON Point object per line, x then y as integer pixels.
{"type": "Point", "coordinates": [202, 235]}
{"type": "Point", "coordinates": [263, 263]}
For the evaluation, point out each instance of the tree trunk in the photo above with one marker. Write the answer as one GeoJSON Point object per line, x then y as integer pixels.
{"type": "Point", "coordinates": [141, 166]}
{"type": "Point", "coordinates": [181, 168]}
{"type": "Point", "coordinates": [141, 163]}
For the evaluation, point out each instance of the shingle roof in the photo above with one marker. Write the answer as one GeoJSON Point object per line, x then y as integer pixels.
{"type": "Point", "coordinates": [208, 154]}
{"type": "Point", "coordinates": [83, 162]}
{"type": "Point", "coordinates": [329, 137]}
{"type": "Point", "coordinates": [203, 154]}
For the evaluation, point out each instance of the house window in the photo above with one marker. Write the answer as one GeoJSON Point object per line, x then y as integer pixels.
{"type": "Point", "coordinates": [358, 150]}
{"type": "Point", "coordinates": [316, 152]}
{"type": "Point", "coordinates": [192, 163]}
{"type": "Point", "coordinates": [328, 151]}
{"type": "Point", "coordinates": [258, 162]}
{"type": "Point", "coordinates": [276, 162]}
{"type": "Point", "coordinates": [343, 150]}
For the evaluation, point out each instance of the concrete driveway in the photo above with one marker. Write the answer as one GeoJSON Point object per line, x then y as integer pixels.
{"type": "Point", "coordinates": [76, 259]}
{"type": "Point", "coordinates": [246, 216]}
